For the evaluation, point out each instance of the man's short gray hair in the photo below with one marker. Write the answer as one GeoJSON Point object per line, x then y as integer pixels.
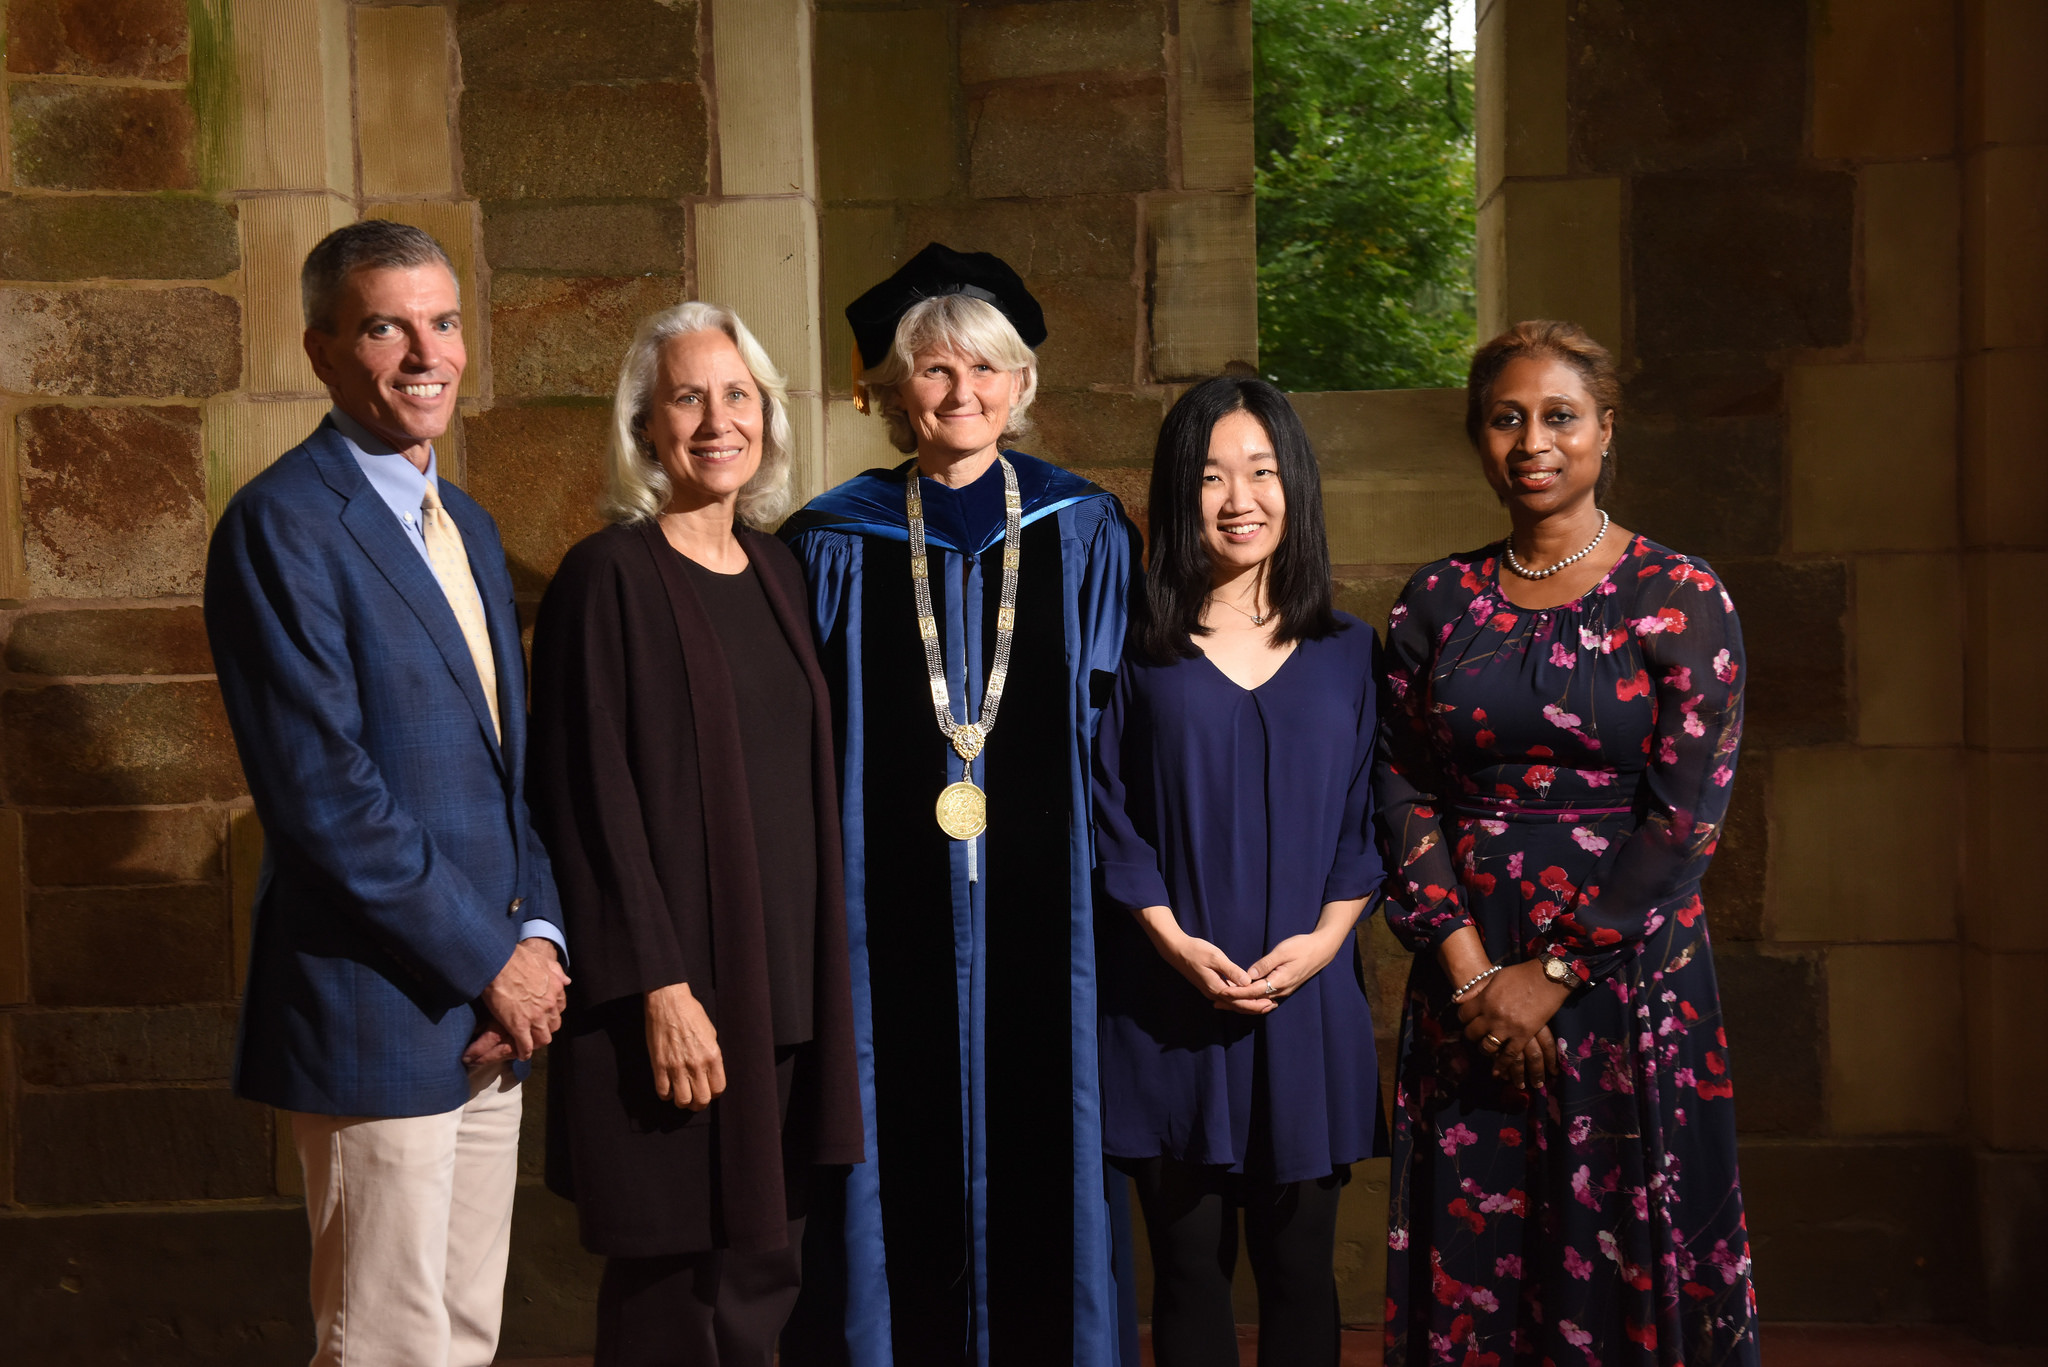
{"type": "Point", "coordinates": [373, 244]}
{"type": "Point", "coordinates": [638, 488]}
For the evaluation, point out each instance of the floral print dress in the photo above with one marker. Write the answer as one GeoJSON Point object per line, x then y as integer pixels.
{"type": "Point", "coordinates": [1558, 778]}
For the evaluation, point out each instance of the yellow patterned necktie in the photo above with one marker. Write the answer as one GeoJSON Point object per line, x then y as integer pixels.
{"type": "Point", "coordinates": [451, 566]}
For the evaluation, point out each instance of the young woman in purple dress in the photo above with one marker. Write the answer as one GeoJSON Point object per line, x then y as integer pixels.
{"type": "Point", "coordinates": [1562, 715]}
{"type": "Point", "coordinates": [1231, 795]}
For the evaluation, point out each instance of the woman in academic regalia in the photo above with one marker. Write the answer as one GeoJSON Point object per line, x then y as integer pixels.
{"type": "Point", "coordinates": [967, 579]}
{"type": "Point", "coordinates": [683, 780]}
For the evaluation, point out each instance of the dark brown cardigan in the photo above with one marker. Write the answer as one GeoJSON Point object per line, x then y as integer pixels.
{"type": "Point", "coordinates": [638, 789]}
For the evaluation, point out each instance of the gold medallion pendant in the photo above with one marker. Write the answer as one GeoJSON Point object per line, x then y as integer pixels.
{"type": "Point", "coordinates": [963, 811]}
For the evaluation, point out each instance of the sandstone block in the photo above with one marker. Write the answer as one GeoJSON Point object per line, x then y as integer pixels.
{"type": "Point", "coordinates": [1737, 880]}
{"type": "Point", "coordinates": [1912, 259]}
{"type": "Point", "coordinates": [2001, 992]}
{"type": "Point", "coordinates": [155, 1144]}
{"type": "Point", "coordinates": [856, 248]}
{"type": "Point", "coordinates": [585, 239]}
{"type": "Point", "coordinates": [1758, 262]}
{"type": "Point", "coordinates": [117, 745]}
{"type": "Point", "coordinates": [1086, 137]}
{"type": "Point", "coordinates": [766, 128]}
{"type": "Point", "coordinates": [284, 122]}
{"type": "Point", "coordinates": [1216, 143]}
{"type": "Point", "coordinates": [1867, 844]}
{"type": "Point", "coordinates": [1834, 1250]}
{"type": "Point", "coordinates": [1095, 236]}
{"type": "Point", "coordinates": [540, 470]}
{"type": "Point", "coordinates": [1773, 1005]}
{"type": "Point", "coordinates": [113, 501]}
{"type": "Point", "coordinates": [1795, 630]}
{"type": "Point", "coordinates": [1895, 1031]}
{"type": "Point", "coordinates": [1203, 288]}
{"type": "Point", "coordinates": [1872, 456]}
{"type": "Point", "coordinates": [131, 641]}
{"type": "Point", "coordinates": [1369, 598]}
{"type": "Point", "coordinates": [1646, 95]}
{"type": "Point", "coordinates": [2002, 708]}
{"type": "Point", "coordinates": [1520, 65]}
{"type": "Point", "coordinates": [2005, 460]}
{"type": "Point", "coordinates": [402, 89]}
{"type": "Point", "coordinates": [584, 141]}
{"type": "Point", "coordinates": [1909, 650]}
{"type": "Point", "coordinates": [2005, 218]}
{"type": "Point", "coordinates": [139, 39]}
{"type": "Point", "coordinates": [543, 42]}
{"type": "Point", "coordinates": [856, 441]}
{"type": "Point", "coordinates": [277, 232]}
{"type": "Point", "coordinates": [1074, 427]}
{"type": "Point", "coordinates": [1055, 39]}
{"type": "Point", "coordinates": [2004, 98]}
{"type": "Point", "coordinates": [2006, 807]}
{"type": "Point", "coordinates": [1552, 249]}
{"type": "Point", "coordinates": [1663, 485]}
{"type": "Point", "coordinates": [150, 845]}
{"type": "Point", "coordinates": [1131, 486]}
{"type": "Point", "coordinates": [13, 933]}
{"type": "Point", "coordinates": [99, 137]}
{"type": "Point", "coordinates": [1884, 80]}
{"type": "Point", "coordinates": [160, 238]}
{"type": "Point", "coordinates": [1364, 433]}
{"type": "Point", "coordinates": [759, 257]}
{"type": "Point", "coordinates": [868, 77]}
{"type": "Point", "coordinates": [162, 946]}
{"type": "Point", "coordinates": [243, 439]}
{"type": "Point", "coordinates": [151, 344]}
{"type": "Point", "coordinates": [95, 1048]}
{"type": "Point", "coordinates": [1096, 323]}
{"type": "Point", "coordinates": [221, 1285]}
{"type": "Point", "coordinates": [559, 336]}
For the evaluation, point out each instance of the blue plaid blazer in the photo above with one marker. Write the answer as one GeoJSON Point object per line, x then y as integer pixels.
{"type": "Point", "coordinates": [398, 857]}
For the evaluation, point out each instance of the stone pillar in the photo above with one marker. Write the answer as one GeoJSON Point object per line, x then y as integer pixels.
{"type": "Point", "coordinates": [2004, 497]}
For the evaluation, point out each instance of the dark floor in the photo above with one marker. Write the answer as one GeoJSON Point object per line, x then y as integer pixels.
{"type": "Point", "coordinates": [1785, 1345]}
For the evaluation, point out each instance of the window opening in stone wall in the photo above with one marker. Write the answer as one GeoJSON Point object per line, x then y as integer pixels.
{"type": "Point", "coordinates": [1364, 132]}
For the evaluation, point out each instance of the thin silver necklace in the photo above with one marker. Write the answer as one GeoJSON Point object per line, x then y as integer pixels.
{"type": "Point", "coordinates": [1517, 567]}
{"type": "Point", "coordinates": [1259, 619]}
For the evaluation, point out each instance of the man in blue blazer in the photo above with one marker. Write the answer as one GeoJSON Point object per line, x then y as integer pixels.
{"type": "Point", "coordinates": [405, 958]}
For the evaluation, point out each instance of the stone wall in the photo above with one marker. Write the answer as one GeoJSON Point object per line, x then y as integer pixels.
{"type": "Point", "coordinates": [1801, 229]}
{"type": "Point", "coordinates": [1811, 232]}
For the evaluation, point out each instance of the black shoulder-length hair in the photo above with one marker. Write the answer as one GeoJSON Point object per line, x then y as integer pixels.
{"type": "Point", "coordinates": [1177, 575]}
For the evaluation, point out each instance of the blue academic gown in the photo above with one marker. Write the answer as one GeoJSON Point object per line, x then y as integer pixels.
{"type": "Point", "coordinates": [979, 1231]}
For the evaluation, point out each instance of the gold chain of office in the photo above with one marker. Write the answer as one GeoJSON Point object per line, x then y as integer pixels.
{"type": "Point", "coordinates": [962, 807]}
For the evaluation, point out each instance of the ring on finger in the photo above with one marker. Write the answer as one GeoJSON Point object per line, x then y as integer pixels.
{"type": "Point", "coordinates": [1498, 1044]}
{"type": "Point", "coordinates": [1272, 987]}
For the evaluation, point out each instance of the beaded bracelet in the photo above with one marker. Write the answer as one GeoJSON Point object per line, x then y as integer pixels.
{"type": "Point", "coordinates": [1459, 995]}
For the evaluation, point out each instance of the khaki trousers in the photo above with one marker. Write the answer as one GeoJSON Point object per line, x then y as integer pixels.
{"type": "Point", "coordinates": [412, 1225]}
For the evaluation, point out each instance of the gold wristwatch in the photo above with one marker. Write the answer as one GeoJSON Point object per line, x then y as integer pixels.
{"type": "Point", "coordinates": [1559, 971]}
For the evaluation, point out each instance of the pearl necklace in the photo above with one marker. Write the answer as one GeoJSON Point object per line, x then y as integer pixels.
{"type": "Point", "coordinates": [1516, 565]}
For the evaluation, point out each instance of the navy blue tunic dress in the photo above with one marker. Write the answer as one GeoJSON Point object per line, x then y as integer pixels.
{"type": "Point", "coordinates": [1244, 811]}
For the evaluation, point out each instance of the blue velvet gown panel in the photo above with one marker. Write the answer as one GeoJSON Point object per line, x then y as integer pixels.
{"type": "Point", "coordinates": [1244, 811]}
{"type": "Point", "coordinates": [980, 1232]}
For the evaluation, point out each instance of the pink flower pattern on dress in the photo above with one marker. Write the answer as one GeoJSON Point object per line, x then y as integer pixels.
{"type": "Point", "coordinates": [1559, 779]}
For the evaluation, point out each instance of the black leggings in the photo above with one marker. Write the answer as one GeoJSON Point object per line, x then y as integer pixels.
{"type": "Point", "coordinates": [1291, 1235]}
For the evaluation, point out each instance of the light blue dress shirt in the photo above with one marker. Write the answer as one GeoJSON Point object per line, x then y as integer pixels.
{"type": "Point", "coordinates": [404, 490]}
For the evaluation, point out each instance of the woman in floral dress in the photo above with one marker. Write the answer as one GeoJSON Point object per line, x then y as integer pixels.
{"type": "Point", "coordinates": [1558, 749]}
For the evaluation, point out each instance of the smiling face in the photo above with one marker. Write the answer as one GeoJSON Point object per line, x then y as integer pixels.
{"type": "Point", "coordinates": [1244, 506]}
{"type": "Point", "coordinates": [1542, 436]}
{"type": "Point", "coordinates": [396, 355]}
{"type": "Point", "coordinates": [958, 405]}
{"type": "Point", "coordinates": [705, 418]}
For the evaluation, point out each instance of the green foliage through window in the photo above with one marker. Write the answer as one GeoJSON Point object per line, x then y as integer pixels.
{"type": "Point", "coordinates": [1363, 120]}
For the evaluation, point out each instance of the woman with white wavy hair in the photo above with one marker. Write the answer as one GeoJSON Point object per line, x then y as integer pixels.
{"type": "Point", "coordinates": [682, 777]}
